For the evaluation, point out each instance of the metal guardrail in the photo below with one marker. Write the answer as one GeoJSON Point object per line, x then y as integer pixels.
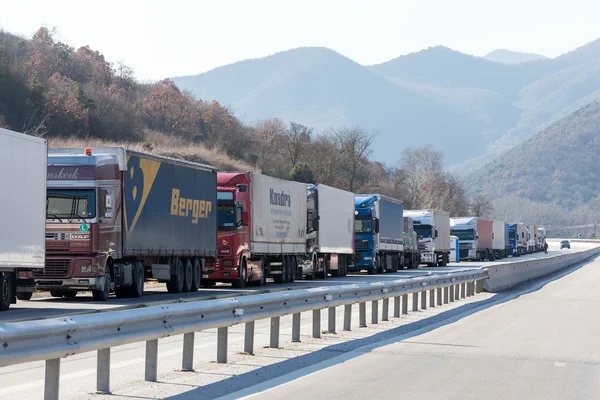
{"type": "Point", "coordinates": [56, 338]}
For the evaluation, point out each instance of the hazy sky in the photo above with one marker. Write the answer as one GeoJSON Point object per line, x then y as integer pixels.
{"type": "Point", "coordinates": [182, 37]}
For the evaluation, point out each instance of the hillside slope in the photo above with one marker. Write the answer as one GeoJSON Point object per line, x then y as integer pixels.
{"type": "Point", "coordinates": [560, 164]}
{"type": "Point", "coordinates": [504, 56]}
{"type": "Point", "coordinates": [323, 89]}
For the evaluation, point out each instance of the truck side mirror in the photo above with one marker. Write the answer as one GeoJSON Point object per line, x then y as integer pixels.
{"type": "Point", "coordinates": [376, 230]}
{"type": "Point", "coordinates": [476, 237]}
{"type": "Point", "coordinates": [242, 187]}
{"type": "Point", "coordinates": [316, 224]}
{"type": "Point", "coordinates": [436, 233]}
{"type": "Point", "coordinates": [245, 218]}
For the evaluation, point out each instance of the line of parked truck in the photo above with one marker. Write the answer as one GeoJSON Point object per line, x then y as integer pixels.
{"type": "Point", "coordinates": [106, 220]}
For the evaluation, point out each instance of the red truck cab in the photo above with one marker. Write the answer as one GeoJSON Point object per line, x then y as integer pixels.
{"type": "Point", "coordinates": [234, 260]}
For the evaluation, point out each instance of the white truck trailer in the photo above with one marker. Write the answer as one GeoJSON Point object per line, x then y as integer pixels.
{"type": "Point", "coordinates": [498, 239]}
{"type": "Point", "coordinates": [23, 163]}
{"type": "Point", "coordinates": [330, 232]}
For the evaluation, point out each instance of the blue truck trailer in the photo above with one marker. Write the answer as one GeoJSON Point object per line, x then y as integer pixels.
{"type": "Point", "coordinates": [517, 236]}
{"type": "Point", "coordinates": [379, 234]}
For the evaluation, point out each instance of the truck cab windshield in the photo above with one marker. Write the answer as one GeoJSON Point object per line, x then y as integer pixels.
{"type": "Point", "coordinates": [363, 225]}
{"type": "Point", "coordinates": [511, 235]}
{"type": "Point", "coordinates": [423, 231]}
{"type": "Point", "coordinates": [229, 216]}
{"type": "Point", "coordinates": [464, 234]}
{"type": "Point", "coordinates": [70, 203]}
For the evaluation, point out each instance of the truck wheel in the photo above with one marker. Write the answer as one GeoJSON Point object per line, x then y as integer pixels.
{"type": "Point", "coordinates": [6, 290]}
{"type": "Point", "coordinates": [102, 295]}
{"type": "Point", "coordinates": [196, 275]}
{"type": "Point", "coordinates": [70, 294]}
{"type": "Point", "coordinates": [294, 268]}
{"type": "Point", "coordinates": [175, 285]}
{"type": "Point", "coordinates": [263, 272]}
{"type": "Point", "coordinates": [323, 274]}
{"type": "Point", "coordinates": [56, 293]}
{"type": "Point", "coordinates": [240, 282]}
{"type": "Point", "coordinates": [205, 283]}
{"type": "Point", "coordinates": [187, 275]}
{"type": "Point", "coordinates": [24, 296]}
{"type": "Point", "coordinates": [137, 288]}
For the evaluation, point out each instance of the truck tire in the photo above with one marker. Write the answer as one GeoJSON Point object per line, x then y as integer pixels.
{"type": "Point", "coordinates": [294, 268]}
{"type": "Point", "coordinates": [175, 285]}
{"type": "Point", "coordinates": [103, 295]}
{"type": "Point", "coordinates": [136, 290]}
{"type": "Point", "coordinates": [263, 272]}
{"type": "Point", "coordinates": [323, 273]}
{"type": "Point", "coordinates": [24, 296]}
{"type": "Point", "coordinates": [70, 294]}
{"type": "Point", "coordinates": [196, 275]}
{"type": "Point", "coordinates": [240, 282]}
{"type": "Point", "coordinates": [187, 275]}
{"type": "Point", "coordinates": [56, 293]}
{"type": "Point", "coordinates": [6, 290]}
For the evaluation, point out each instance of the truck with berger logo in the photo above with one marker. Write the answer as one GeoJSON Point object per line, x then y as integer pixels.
{"type": "Point", "coordinates": [116, 217]}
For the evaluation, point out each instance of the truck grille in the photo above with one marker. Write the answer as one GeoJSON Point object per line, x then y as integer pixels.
{"type": "Point", "coordinates": [58, 236]}
{"type": "Point", "coordinates": [421, 246]}
{"type": "Point", "coordinates": [54, 268]}
{"type": "Point", "coordinates": [361, 245]}
{"type": "Point", "coordinates": [463, 253]}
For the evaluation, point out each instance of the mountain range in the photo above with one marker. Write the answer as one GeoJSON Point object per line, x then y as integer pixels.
{"type": "Point", "coordinates": [559, 164]}
{"type": "Point", "coordinates": [471, 108]}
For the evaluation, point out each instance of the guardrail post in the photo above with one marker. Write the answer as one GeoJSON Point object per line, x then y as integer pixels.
{"type": "Point", "coordinates": [274, 337]}
{"type": "Point", "coordinates": [51, 386]}
{"type": "Point", "coordinates": [103, 371]}
{"type": "Point", "coordinates": [374, 311]}
{"type": "Point", "coordinates": [424, 299]}
{"type": "Point", "coordinates": [331, 320]}
{"type": "Point", "coordinates": [151, 360]}
{"type": "Point", "coordinates": [415, 302]}
{"type": "Point", "coordinates": [316, 325]}
{"type": "Point", "coordinates": [451, 290]}
{"type": "Point", "coordinates": [347, 317]}
{"type": "Point", "coordinates": [396, 306]}
{"type": "Point", "coordinates": [386, 309]}
{"type": "Point", "coordinates": [457, 292]}
{"type": "Point", "coordinates": [249, 337]}
{"type": "Point", "coordinates": [431, 298]}
{"type": "Point", "coordinates": [187, 360]}
{"type": "Point", "coordinates": [473, 288]}
{"type": "Point", "coordinates": [362, 314]}
{"type": "Point", "coordinates": [446, 295]}
{"type": "Point", "coordinates": [462, 290]}
{"type": "Point", "coordinates": [479, 285]}
{"type": "Point", "coordinates": [296, 327]}
{"type": "Point", "coordinates": [439, 296]}
{"type": "Point", "coordinates": [405, 304]}
{"type": "Point", "coordinates": [468, 289]}
{"type": "Point", "coordinates": [222, 334]}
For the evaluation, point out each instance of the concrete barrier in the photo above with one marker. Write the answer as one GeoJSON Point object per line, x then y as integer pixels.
{"type": "Point", "coordinates": [506, 276]}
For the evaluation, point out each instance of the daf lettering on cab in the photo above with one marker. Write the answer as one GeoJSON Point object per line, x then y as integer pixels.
{"type": "Point", "coordinates": [261, 229]}
{"type": "Point", "coordinates": [433, 233]}
{"type": "Point", "coordinates": [22, 198]}
{"type": "Point", "coordinates": [116, 217]}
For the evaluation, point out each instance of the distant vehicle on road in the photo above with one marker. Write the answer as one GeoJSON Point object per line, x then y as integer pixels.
{"type": "Point", "coordinates": [565, 243]}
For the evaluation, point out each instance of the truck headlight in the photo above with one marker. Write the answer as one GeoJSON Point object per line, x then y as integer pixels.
{"type": "Point", "coordinates": [88, 269]}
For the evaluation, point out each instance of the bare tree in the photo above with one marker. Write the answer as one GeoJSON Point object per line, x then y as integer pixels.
{"type": "Point", "coordinates": [295, 141]}
{"type": "Point", "coordinates": [355, 148]}
{"type": "Point", "coordinates": [420, 166]}
{"type": "Point", "coordinates": [481, 206]}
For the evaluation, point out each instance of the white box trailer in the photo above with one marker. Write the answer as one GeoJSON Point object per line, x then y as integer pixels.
{"type": "Point", "coordinates": [279, 212]}
{"type": "Point", "coordinates": [498, 239]}
{"type": "Point", "coordinates": [433, 232]}
{"type": "Point", "coordinates": [330, 241]}
{"type": "Point", "coordinates": [23, 164]}
{"type": "Point", "coordinates": [532, 238]}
